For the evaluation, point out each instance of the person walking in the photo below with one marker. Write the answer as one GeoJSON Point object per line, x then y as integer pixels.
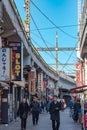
{"type": "Point", "coordinates": [77, 111]}
{"type": "Point", "coordinates": [23, 113]}
{"type": "Point", "coordinates": [71, 106]}
{"type": "Point", "coordinates": [35, 108]}
{"type": "Point", "coordinates": [42, 106]}
{"type": "Point", "coordinates": [54, 109]}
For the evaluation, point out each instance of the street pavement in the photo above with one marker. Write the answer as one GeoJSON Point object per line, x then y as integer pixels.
{"type": "Point", "coordinates": [66, 123]}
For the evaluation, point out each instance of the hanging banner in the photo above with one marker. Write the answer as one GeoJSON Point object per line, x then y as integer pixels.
{"type": "Point", "coordinates": [5, 64]}
{"type": "Point", "coordinates": [31, 82]}
{"type": "Point", "coordinates": [78, 74]}
{"type": "Point", "coordinates": [16, 61]}
{"type": "Point", "coordinates": [40, 81]}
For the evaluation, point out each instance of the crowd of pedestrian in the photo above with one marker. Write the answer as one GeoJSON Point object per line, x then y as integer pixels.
{"type": "Point", "coordinates": [37, 107]}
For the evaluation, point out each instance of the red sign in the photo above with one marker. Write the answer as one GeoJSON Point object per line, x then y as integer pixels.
{"type": "Point", "coordinates": [44, 84]}
{"type": "Point", "coordinates": [85, 121]}
{"type": "Point", "coordinates": [78, 74]}
{"type": "Point", "coordinates": [31, 82]}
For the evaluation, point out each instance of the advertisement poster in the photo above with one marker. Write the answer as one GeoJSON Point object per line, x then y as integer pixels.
{"type": "Point", "coordinates": [5, 64]}
{"type": "Point", "coordinates": [16, 60]}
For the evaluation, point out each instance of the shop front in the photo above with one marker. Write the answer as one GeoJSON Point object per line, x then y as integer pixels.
{"type": "Point", "coordinates": [4, 90]}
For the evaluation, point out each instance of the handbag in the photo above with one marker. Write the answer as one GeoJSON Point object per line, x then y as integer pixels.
{"type": "Point", "coordinates": [24, 115]}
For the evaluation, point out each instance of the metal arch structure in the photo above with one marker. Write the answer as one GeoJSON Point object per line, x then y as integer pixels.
{"type": "Point", "coordinates": [58, 49]}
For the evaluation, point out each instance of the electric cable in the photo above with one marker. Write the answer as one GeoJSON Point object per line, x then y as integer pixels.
{"type": "Point", "coordinates": [68, 58]}
{"type": "Point", "coordinates": [41, 35]}
{"type": "Point", "coordinates": [49, 28]}
{"type": "Point", "coordinates": [47, 53]}
{"type": "Point", "coordinates": [52, 21]}
{"type": "Point", "coordinates": [51, 44]}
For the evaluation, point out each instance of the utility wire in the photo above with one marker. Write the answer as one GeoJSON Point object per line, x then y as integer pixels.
{"type": "Point", "coordinates": [68, 58]}
{"type": "Point", "coordinates": [40, 34]}
{"type": "Point", "coordinates": [35, 41]}
{"type": "Point", "coordinates": [38, 30]}
{"type": "Point", "coordinates": [52, 21]}
{"type": "Point", "coordinates": [68, 55]}
{"type": "Point", "coordinates": [47, 53]}
{"type": "Point", "coordinates": [49, 28]}
{"type": "Point", "coordinates": [51, 44]}
{"type": "Point", "coordinates": [40, 38]}
{"type": "Point", "coordinates": [45, 42]}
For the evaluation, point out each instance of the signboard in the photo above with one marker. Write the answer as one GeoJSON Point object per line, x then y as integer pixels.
{"type": "Point", "coordinates": [40, 81]}
{"type": "Point", "coordinates": [31, 81]}
{"type": "Point", "coordinates": [78, 74]}
{"type": "Point", "coordinates": [5, 64]}
{"type": "Point", "coordinates": [16, 61]}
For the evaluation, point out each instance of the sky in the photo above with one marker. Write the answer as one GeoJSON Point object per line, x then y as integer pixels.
{"type": "Point", "coordinates": [51, 16]}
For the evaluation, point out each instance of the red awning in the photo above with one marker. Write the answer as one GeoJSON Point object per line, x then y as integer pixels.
{"type": "Point", "coordinates": [79, 89]}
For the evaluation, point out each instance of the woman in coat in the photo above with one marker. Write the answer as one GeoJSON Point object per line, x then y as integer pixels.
{"type": "Point", "coordinates": [54, 109]}
{"type": "Point", "coordinates": [23, 113]}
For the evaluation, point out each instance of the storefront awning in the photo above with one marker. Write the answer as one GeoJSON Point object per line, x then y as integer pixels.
{"type": "Point", "coordinates": [78, 89]}
{"type": "Point", "coordinates": [19, 83]}
{"type": "Point", "coordinates": [3, 84]}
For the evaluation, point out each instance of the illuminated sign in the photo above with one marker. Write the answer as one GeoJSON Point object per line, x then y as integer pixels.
{"type": "Point", "coordinates": [16, 61]}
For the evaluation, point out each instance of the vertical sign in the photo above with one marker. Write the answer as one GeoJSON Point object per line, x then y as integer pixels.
{"type": "Point", "coordinates": [16, 61]}
{"type": "Point", "coordinates": [5, 65]}
{"type": "Point", "coordinates": [31, 81]}
{"type": "Point", "coordinates": [40, 81]}
{"type": "Point", "coordinates": [78, 74]}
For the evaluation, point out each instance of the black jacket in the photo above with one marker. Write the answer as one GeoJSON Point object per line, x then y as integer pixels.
{"type": "Point", "coordinates": [23, 108]}
{"type": "Point", "coordinates": [35, 106]}
{"type": "Point", "coordinates": [54, 111]}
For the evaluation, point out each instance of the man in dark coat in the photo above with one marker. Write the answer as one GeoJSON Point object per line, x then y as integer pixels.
{"type": "Point", "coordinates": [54, 109]}
{"type": "Point", "coordinates": [23, 113]}
{"type": "Point", "coordinates": [35, 108]}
